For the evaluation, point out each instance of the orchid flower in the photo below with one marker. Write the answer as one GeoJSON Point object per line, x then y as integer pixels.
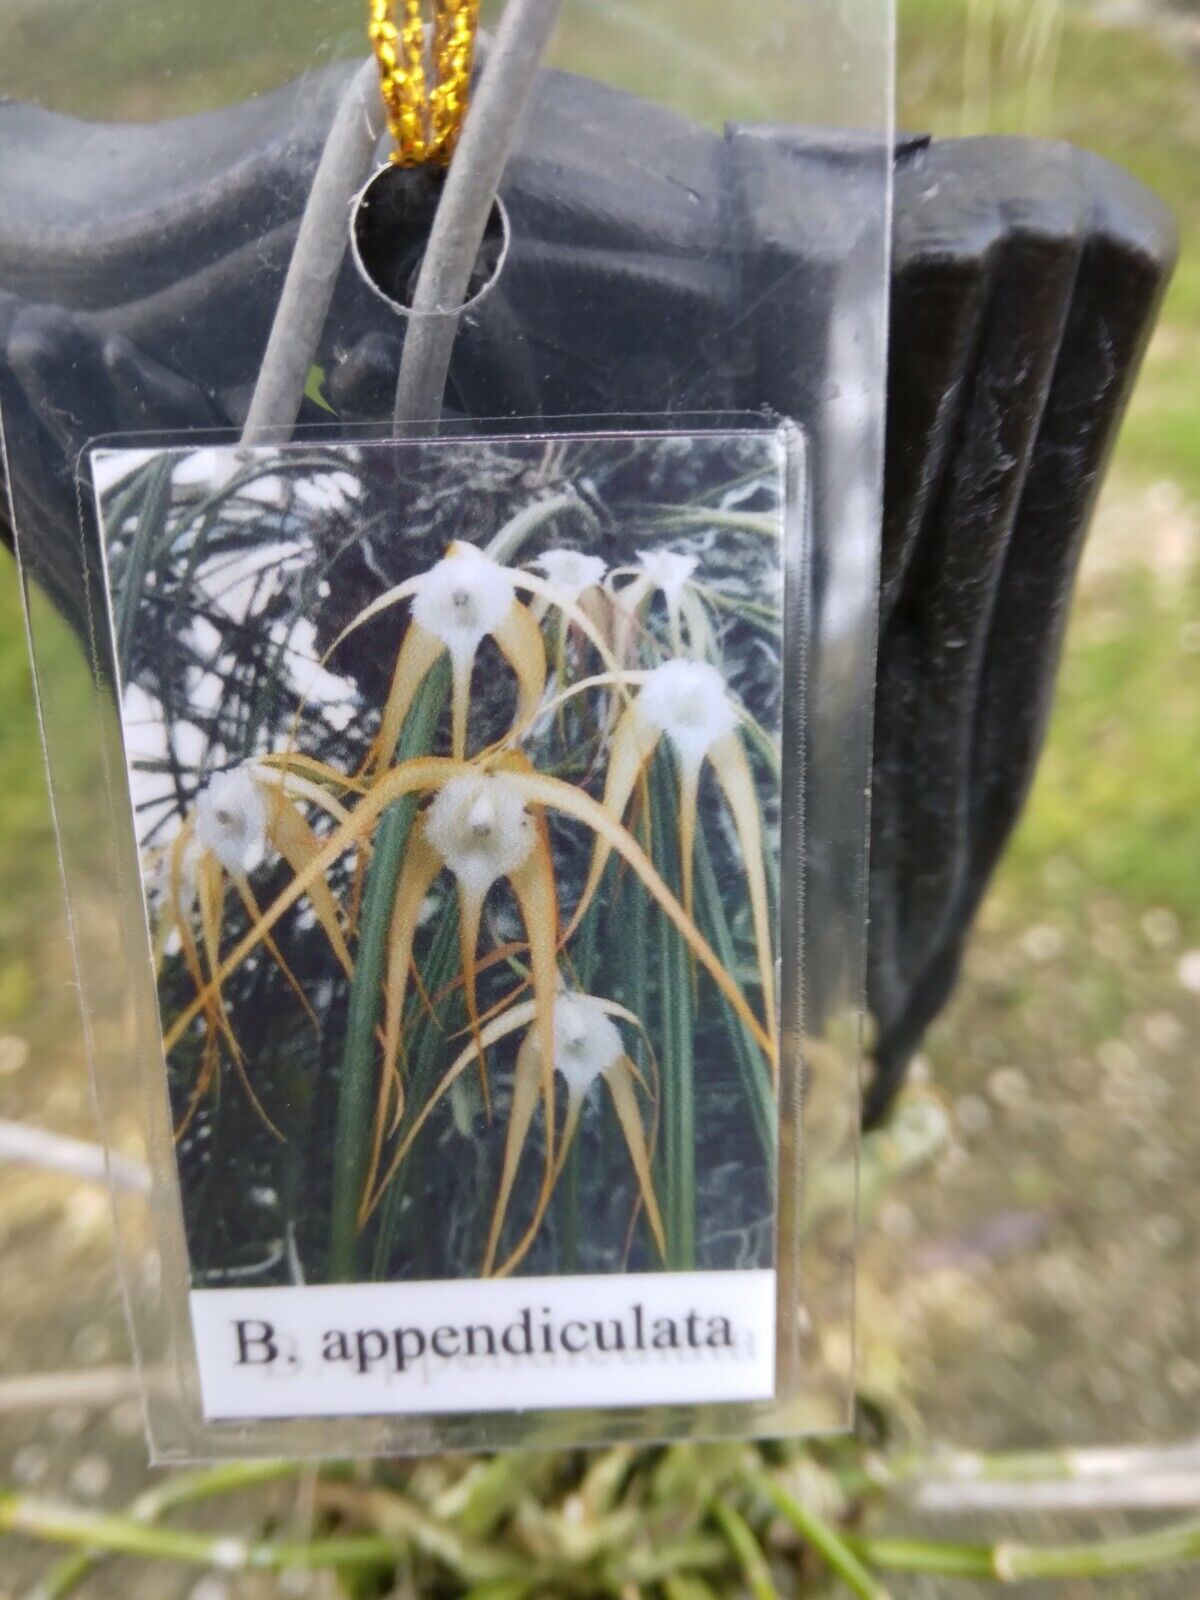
{"type": "Point", "coordinates": [477, 859]}
{"type": "Point", "coordinates": [576, 580]}
{"type": "Point", "coordinates": [586, 1045]}
{"type": "Point", "coordinates": [480, 827]}
{"type": "Point", "coordinates": [231, 821]}
{"type": "Point", "coordinates": [239, 818]}
{"type": "Point", "coordinates": [461, 600]}
{"type": "Point", "coordinates": [571, 572]}
{"type": "Point", "coordinates": [688, 703]}
{"type": "Point", "coordinates": [669, 573]}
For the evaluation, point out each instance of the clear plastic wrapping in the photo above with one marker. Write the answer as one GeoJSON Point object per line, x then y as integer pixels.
{"type": "Point", "coordinates": [595, 664]}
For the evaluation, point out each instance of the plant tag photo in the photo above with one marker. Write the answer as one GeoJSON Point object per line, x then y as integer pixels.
{"type": "Point", "coordinates": [461, 778]}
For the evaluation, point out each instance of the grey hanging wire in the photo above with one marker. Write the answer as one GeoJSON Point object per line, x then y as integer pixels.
{"type": "Point", "coordinates": [346, 161]}
{"type": "Point", "coordinates": [489, 134]}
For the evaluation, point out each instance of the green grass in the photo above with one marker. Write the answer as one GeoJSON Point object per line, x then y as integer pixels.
{"type": "Point", "coordinates": [29, 882]}
{"type": "Point", "coordinates": [356, 1084]}
{"type": "Point", "coordinates": [140, 60]}
{"type": "Point", "coordinates": [1116, 794]}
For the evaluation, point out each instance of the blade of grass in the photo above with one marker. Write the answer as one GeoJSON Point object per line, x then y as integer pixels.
{"type": "Point", "coordinates": [189, 1489]}
{"type": "Point", "coordinates": [748, 1551]}
{"type": "Point", "coordinates": [148, 533]}
{"type": "Point", "coordinates": [89, 1530]}
{"type": "Point", "coordinates": [755, 1073]}
{"type": "Point", "coordinates": [825, 1540]}
{"type": "Point", "coordinates": [356, 1086]}
{"type": "Point", "coordinates": [583, 966]}
{"type": "Point", "coordinates": [426, 1049]}
{"type": "Point", "coordinates": [678, 1064]}
{"type": "Point", "coordinates": [631, 914]}
{"type": "Point", "coordinates": [682, 1586]}
{"type": "Point", "coordinates": [264, 464]}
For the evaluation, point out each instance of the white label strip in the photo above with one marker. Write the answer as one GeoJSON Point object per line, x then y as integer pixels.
{"type": "Point", "coordinates": [682, 1338]}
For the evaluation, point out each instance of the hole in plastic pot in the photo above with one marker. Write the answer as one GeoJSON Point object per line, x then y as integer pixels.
{"type": "Point", "coordinates": [390, 231]}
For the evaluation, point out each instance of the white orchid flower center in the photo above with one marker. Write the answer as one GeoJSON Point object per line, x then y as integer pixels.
{"type": "Point", "coordinates": [571, 572]}
{"type": "Point", "coordinates": [462, 598]}
{"type": "Point", "coordinates": [586, 1041]}
{"type": "Point", "coordinates": [688, 701]}
{"type": "Point", "coordinates": [479, 825]}
{"type": "Point", "coordinates": [231, 820]}
{"type": "Point", "coordinates": [668, 571]}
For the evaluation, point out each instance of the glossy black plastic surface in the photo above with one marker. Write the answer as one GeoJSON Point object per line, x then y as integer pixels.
{"type": "Point", "coordinates": [659, 268]}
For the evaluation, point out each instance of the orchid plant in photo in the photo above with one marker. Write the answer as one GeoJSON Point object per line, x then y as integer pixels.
{"type": "Point", "coordinates": [543, 864]}
{"type": "Point", "coordinates": [240, 817]}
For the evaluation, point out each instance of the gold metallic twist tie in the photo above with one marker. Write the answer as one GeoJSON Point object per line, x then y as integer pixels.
{"type": "Point", "coordinates": [425, 122]}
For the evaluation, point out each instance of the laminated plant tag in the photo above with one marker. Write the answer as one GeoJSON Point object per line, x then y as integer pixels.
{"type": "Point", "coordinates": [451, 826]}
{"type": "Point", "coordinates": [459, 772]}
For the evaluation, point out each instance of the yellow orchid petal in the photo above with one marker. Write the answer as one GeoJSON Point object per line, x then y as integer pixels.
{"type": "Point", "coordinates": [633, 743]}
{"type": "Point", "coordinates": [538, 586]}
{"type": "Point", "coordinates": [674, 631]}
{"type": "Point", "coordinates": [732, 767]}
{"type": "Point", "coordinates": [204, 1081]}
{"type": "Point", "coordinates": [569, 608]}
{"type": "Point", "coordinates": [418, 654]}
{"type": "Point", "coordinates": [699, 632]}
{"type": "Point", "coordinates": [189, 950]}
{"type": "Point", "coordinates": [470, 914]}
{"type": "Point", "coordinates": [420, 867]}
{"type": "Point", "coordinates": [556, 795]}
{"type": "Point", "coordinates": [210, 896]}
{"type": "Point", "coordinates": [614, 1009]}
{"type": "Point", "coordinates": [534, 887]}
{"type": "Point", "coordinates": [520, 642]}
{"type": "Point", "coordinates": [627, 601]}
{"type": "Point", "coordinates": [571, 1120]}
{"type": "Point", "coordinates": [291, 762]}
{"type": "Point", "coordinates": [527, 1076]}
{"type": "Point", "coordinates": [298, 844]}
{"type": "Point", "coordinates": [418, 870]}
{"type": "Point", "coordinates": [600, 680]}
{"type": "Point", "coordinates": [295, 784]}
{"type": "Point", "coordinates": [253, 910]}
{"type": "Point", "coordinates": [597, 608]}
{"type": "Point", "coordinates": [494, 958]}
{"type": "Point", "coordinates": [619, 1080]}
{"type": "Point", "coordinates": [411, 777]}
{"type": "Point", "coordinates": [210, 884]}
{"type": "Point", "coordinates": [390, 597]}
{"type": "Point", "coordinates": [519, 1017]}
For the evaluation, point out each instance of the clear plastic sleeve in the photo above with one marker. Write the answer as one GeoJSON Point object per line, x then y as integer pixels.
{"type": "Point", "coordinates": [693, 264]}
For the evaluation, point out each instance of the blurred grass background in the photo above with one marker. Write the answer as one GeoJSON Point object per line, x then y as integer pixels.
{"type": "Point", "coordinates": [1045, 1287]}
